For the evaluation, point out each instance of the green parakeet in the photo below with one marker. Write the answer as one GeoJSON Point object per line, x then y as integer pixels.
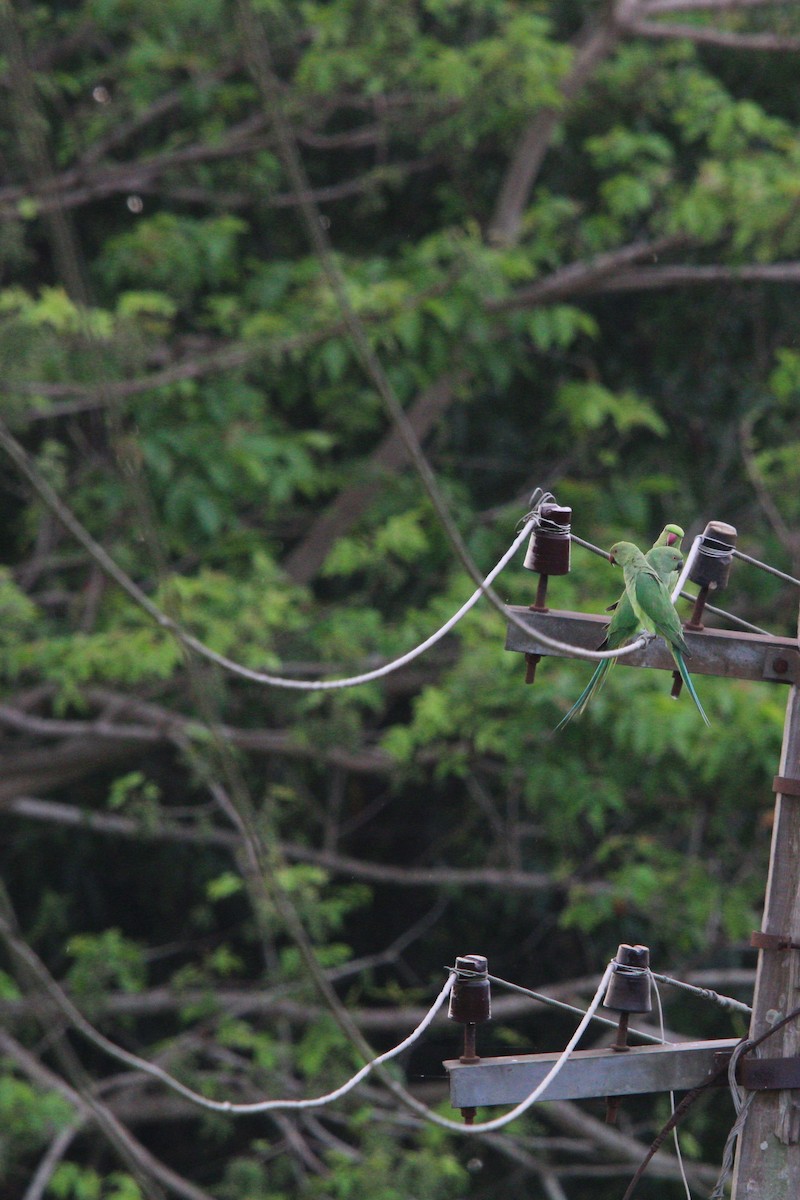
{"type": "Point", "coordinates": [665, 558]}
{"type": "Point", "coordinates": [653, 607]}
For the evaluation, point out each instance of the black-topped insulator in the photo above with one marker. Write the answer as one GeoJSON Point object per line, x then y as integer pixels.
{"type": "Point", "coordinates": [471, 994]}
{"type": "Point", "coordinates": [712, 564]}
{"type": "Point", "coordinates": [629, 988]}
{"type": "Point", "coordinates": [549, 545]}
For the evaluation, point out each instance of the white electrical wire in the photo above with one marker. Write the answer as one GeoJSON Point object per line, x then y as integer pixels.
{"type": "Point", "coordinates": [79, 1022]}
{"type": "Point", "coordinates": [132, 589]}
{"type": "Point", "coordinates": [741, 1103]}
{"type": "Point", "coordinates": [672, 1094]}
{"type": "Point", "coordinates": [538, 1091]}
{"type": "Point", "coordinates": [687, 566]}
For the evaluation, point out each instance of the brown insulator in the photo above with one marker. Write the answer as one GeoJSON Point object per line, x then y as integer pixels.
{"type": "Point", "coordinates": [629, 988]}
{"type": "Point", "coordinates": [712, 565]}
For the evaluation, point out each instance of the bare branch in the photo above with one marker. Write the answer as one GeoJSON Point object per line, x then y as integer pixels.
{"type": "Point", "coordinates": [688, 275]}
{"type": "Point", "coordinates": [788, 539]}
{"type": "Point", "coordinates": [608, 1140]}
{"type": "Point", "coordinates": [390, 455]}
{"type": "Point", "coordinates": [652, 7]}
{"type": "Point", "coordinates": [53, 1156]}
{"type": "Point", "coordinates": [770, 42]}
{"type": "Point", "coordinates": [90, 1108]}
{"type": "Point", "coordinates": [56, 812]}
{"type": "Point", "coordinates": [593, 44]}
{"type": "Point", "coordinates": [581, 277]}
{"type": "Point", "coordinates": [145, 178]}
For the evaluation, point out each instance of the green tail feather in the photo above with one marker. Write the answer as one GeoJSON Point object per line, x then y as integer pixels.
{"type": "Point", "coordinates": [687, 679]}
{"type": "Point", "coordinates": [594, 684]}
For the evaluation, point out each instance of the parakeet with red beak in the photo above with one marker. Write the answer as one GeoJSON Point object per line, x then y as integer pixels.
{"type": "Point", "coordinates": [665, 558]}
{"type": "Point", "coordinates": [652, 604]}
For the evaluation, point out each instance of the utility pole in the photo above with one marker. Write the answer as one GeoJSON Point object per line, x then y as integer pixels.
{"type": "Point", "coordinates": [768, 1154]}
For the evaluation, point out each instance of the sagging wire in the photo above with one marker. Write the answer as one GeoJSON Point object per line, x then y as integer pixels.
{"type": "Point", "coordinates": [84, 1027]}
{"type": "Point", "coordinates": [746, 1045]}
{"type": "Point", "coordinates": [92, 1035]}
{"type": "Point", "coordinates": [678, 1153]}
{"type": "Point", "coordinates": [741, 1103]}
{"type": "Point", "coordinates": [104, 560]}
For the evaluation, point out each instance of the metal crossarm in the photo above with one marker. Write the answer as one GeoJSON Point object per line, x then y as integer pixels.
{"type": "Point", "coordinates": [735, 655]}
{"type": "Point", "coordinates": [587, 1074]}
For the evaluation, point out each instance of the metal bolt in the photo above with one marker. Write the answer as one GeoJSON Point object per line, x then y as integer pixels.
{"type": "Point", "coordinates": [531, 663]}
{"type": "Point", "coordinates": [540, 603]}
{"type": "Point", "coordinates": [780, 666]}
{"type": "Point", "coordinates": [696, 620]}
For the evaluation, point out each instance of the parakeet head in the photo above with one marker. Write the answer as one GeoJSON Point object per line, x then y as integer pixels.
{"type": "Point", "coordinates": [623, 553]}
{"type": "Point", "coordinates": [674, 534]}
{"type": "Point", "coordinates": [666, 559]}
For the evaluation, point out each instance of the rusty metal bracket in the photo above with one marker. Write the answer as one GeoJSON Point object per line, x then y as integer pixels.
{"type": "Point", "coordinates": [786, 786]}
{"type": "Point", "coordinates": [713, 651]}
{"type": "Point", "coordinates": [782, 666]}
{"type": "Point", "coordinates": [763, 1074]}
{"type": "Point", "coordinates": [772, 941]}
{"type": "Point", "coordinates": [769, 1074]}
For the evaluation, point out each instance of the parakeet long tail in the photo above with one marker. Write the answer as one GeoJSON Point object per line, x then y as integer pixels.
{"type": "Point", "coordinates": [594, 684]}
{"type": "Point", "coordinates": [687, 679]}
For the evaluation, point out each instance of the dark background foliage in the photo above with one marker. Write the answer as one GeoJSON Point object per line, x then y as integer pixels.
{"type": "Point", "coordinates": [564, 237]}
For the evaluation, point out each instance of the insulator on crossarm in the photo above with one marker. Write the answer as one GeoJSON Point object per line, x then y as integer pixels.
{"type": "Point", "coordinates": [628, 992]}
{"type": "Point", "coordinates": [471, 1005]}
{"type": "Point", "coordinates": [712, 566]}
{"type": "Point", "coordinates": [471, 995]}
{"type": "Point", "coordinates": [549, 548]}
{"type": "Point", "coordinates": [629, 987]}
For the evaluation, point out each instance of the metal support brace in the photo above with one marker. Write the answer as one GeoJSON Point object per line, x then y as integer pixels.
{"type": "Point", "coordinates": [734, 655]}
{"type": "Point", "coordinates": [587, 1074]}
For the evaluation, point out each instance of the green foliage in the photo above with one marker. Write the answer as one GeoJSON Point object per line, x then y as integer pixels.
{"type": "Point", "coordinates": [31, 1117]}
{"type": "Point", "coordinates": [70, 1181]}
{"type": "Point", "coordinates": [195, 394]}
{"type": "Point", "coordinates": [105, 959]}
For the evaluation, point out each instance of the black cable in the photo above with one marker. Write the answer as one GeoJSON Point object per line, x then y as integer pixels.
{"type": "Point", "coordinates": [690, 1097]}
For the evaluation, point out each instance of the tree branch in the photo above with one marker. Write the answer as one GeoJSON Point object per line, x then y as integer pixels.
{"type": "Point", "coordinates": [593, 44]}
{"type": "Point", "coordinates": [652, 7]}
{"type": "Point", "coordinates": [687, 275]}
{"type": "Point", "coordinates": [773, 43]}
{"type": "Point", "coordinates": [390, 455]}
{"type": "Point", "coordinates": [89, 1108]}
{"type": "Point", "coordinates": [55, 812]}
{"type": "Point", "coordinates": [581, 277]}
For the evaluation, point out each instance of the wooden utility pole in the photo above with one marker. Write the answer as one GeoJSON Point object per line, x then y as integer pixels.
{"type": "Point", "coordinates": [768, 1154]}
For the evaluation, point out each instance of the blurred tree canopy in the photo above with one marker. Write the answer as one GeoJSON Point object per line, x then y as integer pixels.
{"type": "Point", "coordinates": [251, 256]}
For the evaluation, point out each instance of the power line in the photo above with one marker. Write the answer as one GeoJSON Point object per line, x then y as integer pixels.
{"type": "Point", "coordinates": [705, 994]}
{"type": "Point", "coordinates": [754, 562]}
{"type": "Point", "coordinates": [80, 1023]}
{"type": "Point", "coordinates": [167, 623]}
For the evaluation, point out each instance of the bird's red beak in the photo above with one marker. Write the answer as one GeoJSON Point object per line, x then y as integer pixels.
{"type": "Point", "coordinates": [672, 539]}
